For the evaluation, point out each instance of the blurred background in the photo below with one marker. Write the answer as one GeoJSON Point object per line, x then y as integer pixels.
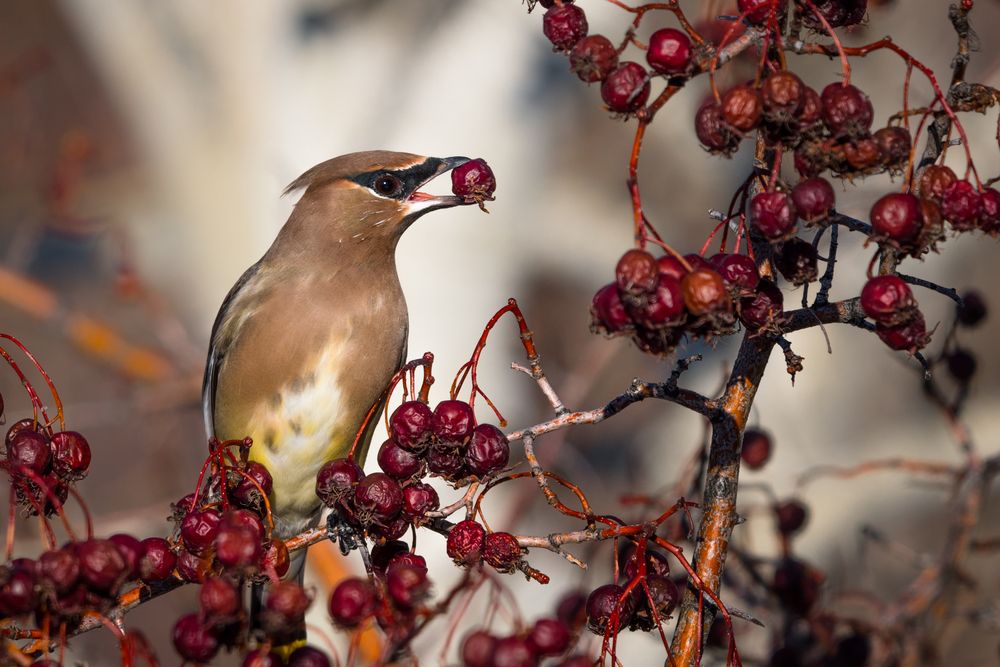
{"type": "Point", "coordinates": [143, 150]}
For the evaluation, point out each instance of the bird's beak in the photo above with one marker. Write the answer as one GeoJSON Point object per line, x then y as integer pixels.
{"type": "Point", "coordinates": [422, 202]}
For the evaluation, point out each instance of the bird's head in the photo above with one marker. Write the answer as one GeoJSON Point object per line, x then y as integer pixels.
{"type": "Point", "coordinates": [371, 195]}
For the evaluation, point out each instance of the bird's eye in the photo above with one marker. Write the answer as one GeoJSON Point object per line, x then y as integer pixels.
{"type": "Point", "coordinates": [387, 185]}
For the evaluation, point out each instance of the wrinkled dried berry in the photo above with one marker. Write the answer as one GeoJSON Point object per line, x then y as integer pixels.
{"type": "Point", "coordinates": [888, 300]}
{"type": "Point", "coordinates": [712, 131]}
{"type": "Point", "coordinates": [336, 480]}
{"type": "Point", "coordinates": [907, 337]}
{"type": "Point", "coordinates": [602, 604]}
{"type": "Point", "coordinates": [398, 462]}
{"type": "Point", "coordinates": [593, 58]}
{"type": "Point", "coordinates": [813, 199]}
{"type": "Point", "coordinates": [962, 205]}
{"type": "Point", "coordinates": [773, 215]}
{"type": "Point", "coordinates": [564, 25]}
{"type": "Point", "coordinates": [465, 542]}
{"type": "Point", "coordinates": [847, 111]}
{"type": "Point", "coordinates": [763, 309]}
{"type": "Point", "coordinates": [797, 261]}
{"type": "Point", "coordinates": [488, 450]}
{"type": "Point", "coordinates": [705, 292]}
{"type": "Point", "coordinates": [626, 88]}
{"type": "Point", "coordinates": [742, 108]}
{"type": "Point", "coordinates": [502, 551]}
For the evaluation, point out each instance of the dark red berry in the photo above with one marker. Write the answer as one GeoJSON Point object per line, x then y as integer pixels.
{"type": "Point", "coordinates": [796, 585]}
{"type": "Point", "coordinates": [19, 426]}
{"type": "Point", "coordinates": [791, 516]}
{"type": "Point", "coordinates": [847, 111]}
{"type": "Point", "coordinates": [513, 652]}
{"type": "Point", "coordinates": [669, 51]}
{"type": "Point", "coordinates": [411, 425]}
{"type": "Point", "coordinates": [408, 558]}
{"type": "Point", "coordinates": [637, 273]}
{"type": "Point", "coordinates": [102, 567]}
{"type": "Point", "coordinates": [763, 309]}
{"type": "Point", "coordinates": [194, 640]}
{"type": "Point", "coordinates": [478, 648]}
{"type": "Point", "coordinates": [285, 606]}
{"type": "Point", "coordinates": [811, 110]}
{"type": "Point", "coordinates": [863, 154]}
{"type": "Point", "coordinates": [407, 585]}
{"type": "Point", "coordinates": [29, 450]}
{"type": "Point", "coordinates": [813, 199]}
{"type": "Point", "coordinates": [245, 520]}
{"type": "Point", "coordinates": [797, 260]}
{"type": "Point", "coordinates": [909, 336]}
{"type": "Point", "coordinates": [564, 26]}
{"type": "Point", "coordinates": [593, 58]}
{"type": "Point", "coordinates": [17, 591]}
{"type": "Point", "coordinates": [488, 450]}
{"type": "Point", "coordinates": [198, 530]}
{"type": "Point", "coordinates": [782, 95]}
{"type": "Point", "coordinates": [602, 604]}
{"type": "Point", "coordinates": [672, 267]}
{"type": "Point", "coordinates": [897, 217]}
{"type": "Point", "coordinates": [378, 497]}
{"type": "Point", "coordinates": [237, 547]}
{"type": "Point", "coordinates": [473, 180]}
{"type": "Point", "coordinates": [663, 307]}
{"type": "Point", "coordinates": [383, 553]}
{"type": "Point", "coordinates": [546, 4]}
{"type": "Point", "coordinates": [465, 542]}
{"type": "Point", "coordinates": [758, 11]}
{"type": "Point", "coordinates": [626, 88]}
{"type": "Point", "coordinates": [838, 13]}
{"type": "Point", "coordinates": [742, 108]}
{"type": "Point", "coordinates": [739, 271]}
{"type": "Point", "coordinates": [59, 569]}
{"type": "Point", "coordinates": [220, 600]}
{"type": "Point", "coordinates": [261, 658]}
{"type": "Point", "coordinates": [397, 462]}
{"type": "Point", "coordinates": [962, 205]}
{"type": "Point", "coordinates": [656, 562]}
{"type": "Point", "coordinates": [572, 609]}
{"type": "Point", "coordinates": [131, 550]}
{"type": "Point", "coordinates": [419, 499]}
{"type": "Point", "coordinates": [973, 309]}
{"type": "Point", "coordinates": [712, 131]}
{"type": "Point", "coordinates": [192, 567]}
{"type": "Point", "coordinates": [336, 480]}
{"type": "Point", "coordinates": [549, 636]}
{"type": "Point", "coordinates": [453, 421]}
{"type": "Point", "coordinates": [756, 449]}
{"type": "Point", "coordinates": [576, 661]}
{"type": "Point", "coordinates": [352, 601]}
{"type": "Point", "coordinates": [773, 215]}
{"type": "Point", "coordinates": [989, 218]}
{"type": "Point", "coordinates": [308, 656]}
{"type": "Point", "coordinates": [961, 364]}
{"type": "Point", "coordinates": [934, 180]}
{"type": "Point", "coordinates": [894, 146]}
{"type": "Point", "coordinates": [70, 455]}
{"type": "Point", "coordinates": [448, 462]}
{"type": "Point", "coordinates": [888, 300]}
{"type": "Point", "coordinates": [607, 311]}
{"type": "Point", "coordinates": [664, 593]}
{"type": "Point", "coordinates": [705, 292]}
{"type": "Point", "coordinates": [501, 551]}
{"type": "Point", "coordinates": [157, 560]}
{"type": "Point", "coordinates": [248, 492]}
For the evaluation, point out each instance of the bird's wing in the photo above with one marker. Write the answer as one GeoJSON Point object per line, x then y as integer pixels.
{"type": "Point", "coordinates": [219, 344]}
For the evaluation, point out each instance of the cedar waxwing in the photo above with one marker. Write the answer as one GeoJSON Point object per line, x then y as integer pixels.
{"type": "Point", "coordinates": [309, 336]}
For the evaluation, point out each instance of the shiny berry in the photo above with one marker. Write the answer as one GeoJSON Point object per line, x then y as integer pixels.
{"type": "Point", "coordinates": [791, 516]}
{"type": "Point", "coordinates": [237, 547]}
{"type": "Point", "coordinates": [131, 550]}
{"type": "Point", "coordinates": [797, 260]}
{"type": "Point", "coordinates": [453, 421]}
{"type": "Point", "coordinates": [379, 497]}
{"type": "Point", "coordinates": [739, 271]}
{"type": "Point", "coordinates": [513, 652]}
{"type": "Point", "coordinates": [705, 292]}
{"type": "Point", "coordinates": [887, 300]}
{"type": "Point", "coordinates": [157, 560]}
{"type": "Point", "coordinates": [261, 658]}
{"type": "Point", "coordinates": [813, 199]}
{"type": "Point", "coordinates": [336, 480]}
{"type": "Point", "coordinates": [758, 11]}
{"type": "Point", "coordinates": [194, 640]}
{"type": "Point", "coordinates": [245, 520]}
{"type": "Point", "coordinates": [897, 217]}
{"type": "Point", "coordinates": [756, 449]}
{"type": "Point", "coordinates": [663, 307]}
{"type": "Point", "coordinates": [669, 51]}
{"type": "Point", "coordinates": [847, 111]}
{"type": "Point", "coordinates": [465, 542]}
{"type": "Point", "coordinates": [593, 58]}
{"type": "Point", "coordinates": [219, 599]}
{"type": "Point", "coordinates": [102, 567]}
{"type": "Point", "coordinates": [742, 108]}
{"type": "Point", "coordinates": [564, 26]}
{"type": "Point", "coordinates": [664, 593]}
{"type": "Point", "coordinates": [248, 492]}
{"type": "Point", "coordinates": [602, 604]}
{"type": "Point", "coordinates": [352, 601]}
{"type": "Point", "coordinates": [501, 551]}
{"type": "Point", "coordinates": [772, 214]}
{"type": "Point", "coordinates": [488, 450]}
{"type": "Point", "coordinates": [909, 336]}
{"type": "Point", "coordinates": [70, 455]}
{"type": "Point", "coordinates": [59, 569]}
{"type": "Point", "coordinates": [973, 309]}
{"type": "Point", "coordinates": [198, 530]}
{"type": "Point", "coordinates": [782, 95]}
{"type": "Point", "coordinates": [308, 656]}
{"type": "Point", "coordinates": [409, 558]}
{"type": "Point", "coordinates": [478, 648]}
{"type": "Point", "coordinates": [407, 585]}
{"type": "Point", "coordinates": [17, 591]}
{"type": "Point", "coordinates": [763, 309]}
{"type": "Point", "coordinates": [29, 450]}
{"type": "Point", "coordinates": [397, 462]}
{"type": "Point", "coordinates": [411, 425]}
{"type": "Point", "coordinates": [419, 499]}
{"type": "Point", "coordinates": [17, 427]}
{"type": "Point", "coordinates": [934, 180]}
{"type": "Point", "coordinates": [637, 272]}
{"type": "Point", "coordinates": [549, 636]}
{"type": "Point", "coordinates": [192, 567]}
{"type": "Point", "coordinates": [962, 205]}
{"type": "Point", "coordinates": [712, 131]}
{"type": "Point", "coordinates": [473, 180]}
{"type": "Point", "coordinates": [608, 312]}
{"type": "Point", "coordinates": [810, 111]}
{"type": "Point", "coordinates": [626, 88]}
{"type": "Point", "coordinates": [276, 557]}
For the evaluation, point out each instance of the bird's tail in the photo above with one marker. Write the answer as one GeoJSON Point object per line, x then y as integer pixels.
{"type": "Point", "coordinates": [292, 638]}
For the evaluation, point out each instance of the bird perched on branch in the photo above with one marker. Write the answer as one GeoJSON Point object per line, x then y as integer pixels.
{"type": "Point", "coordinates": [308, 338]}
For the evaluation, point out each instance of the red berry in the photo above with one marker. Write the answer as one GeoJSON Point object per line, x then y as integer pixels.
{"type": "Point", "coordinates": [465, 542]}
{"type": "Point", "coordinates": [502, 551]}
{"type": "Point", "coordinates": [663, 307]}
{"type": "Point", "coordinates": [811, 110]}
{"type": "Point", "coordinates": [448, 462]}
{"type": "Point", "coordinates": [17, 427]}
{"type": "Point", "coordinates": [764, 308]}
{"type": "Point", "coordinates": [261, 658]}
{"type": "Point", "coordinates": [408, 558]}
{"type": "Point", "coordinates": [473, 180]}
{"type": "Point", "coordinates": [838, 13]}
{"type": "Point", "coordinates": [888, 300]}
{"type": "Point", "coordinates": [742, 108]}
{"type": "Point", "coordinates": [549, 636]}
{"type": "Point", "coordinates": [419, 499]}
{"type": "Point", "coordinates": [669, 51]}
{"type": "Point", "coordinates": [308, 656]}
{"type": "Point", "coordinates": [672, 267]}
{"type": "Point", "coordinates": [782, 95]}
{"type": "Point", "coordinates": [29, 450]}
{"type": "Point", "coordinates": [602, 604]}
{"type": "Point", "coordinates": [247, 492]}
{"type": "Point", "coordinates": [813, 199]}
{"type": "Point", "coordinates": [797, 261]}
{"type": "Point", "coordinates": [626, 88]}
{"type": "Point", "coordinates": [410, 425]}
{"type": "Point", "coordinates": [194, 640]}
{"type": "Point", "coordinates": [157, 560]}
{"type": "Point", "coordinates": [664, 593]}
{"type": "Point", "coordinates": [564, 26]}
{"type": "Point", "coordinates": [863, 154]}
{"type": "Point", "coordinates": [847, 111]}
{"type": "Point", "coordinates": [739, 271]}
{"type": "Point", "coordinates": [572, 609]}
{"type": "Point", "coordinates": [608, 312]}
{"type": "Point", "coordinates": [756, 449]}
{"type": "Point", "coordinates": [192, 567]}
{"type": "Point", "coordinates": [894, 146]}
{"type": "Point", "coordinates": [962, 205]}
{"type": "Point", "coordinates": [352, 601]}
{"type": "Point", "coordinates": [478, 648]}
{"type": "Point", "coordinates": [407, 585]}
{"type": "Point", "coordinates": [244, 520]}
{"type": "Point", "coordinates": [773, 215]}
{"type": "Point", "coordinates": [59, 570]}
{"type": "Point", "coordinates": [513, 652]}
{"type": "Point", "coordinates": [656, 562]}
{"type": "Point", "coordinates": [897, 217]}
{"type": "Point", "coordinates": [131, 550]}
{"type": "Point", "coordinates": [102, 567]}
{"type": "Point", "coordinates": [712, 131]}
{"type": "Point", "coordinates": [198, 530]}
{"type": "Point", "coordinates": [237, 547]}
{"type": "Point", "coordinates": [378, 498]}
{"type": "Point", "coordinates": [934, 180]}
{"type": "Point", "coordinates": [909, 336]}
{"type": "Point", "coordinates": [336, 480]}
{"type": "Point", "coordinates": [383, 553]}
{"type": "Point", "coordinates": [17, 591]}
{"type": "Point", "coordinates": [973, 309]}
{"type": "Point", "coordinates": [397, 462]}
{"type": "Point", "coordinates": [488, 450]}
{"type": "Point", "coordinates": [453, 421]}
{"type": "Point", "coordinates": [70, 455]}
{"type": "Point", "coordinates": [705, 292]}
{"type": "Point", "coordinates": [791, 516]}
{"type": "Point", "coordinates": [285, 607]}
{"type": "Point", "coordinates": [989, 218]}
{"type": "Point", "coordinates": [593, 58]}
{"type": "Point", "coordinates": [276, 558]}
{"type": "Point", "coordinates": [219, 599]}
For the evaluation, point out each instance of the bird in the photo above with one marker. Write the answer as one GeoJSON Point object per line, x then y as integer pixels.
{"type": "Point", "coordinates": [307, 339]}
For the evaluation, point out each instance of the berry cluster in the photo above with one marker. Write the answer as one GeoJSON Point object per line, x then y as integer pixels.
{"type": "Point", "coordinates": [445, 442]}
{"type": "Point", "coordinates": [547, 637]}
{"type": "Point", "coordinates": [644, 599]}
{"type": "Point", "coordinates": [42, 464]}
